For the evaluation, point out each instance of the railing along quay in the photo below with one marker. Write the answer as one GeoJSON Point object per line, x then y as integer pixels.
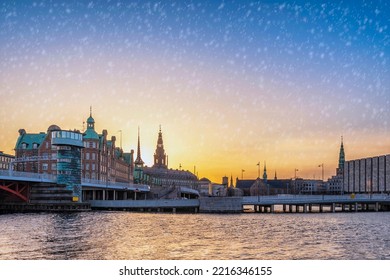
{"type": "Point", "coordinates": [294, 203]}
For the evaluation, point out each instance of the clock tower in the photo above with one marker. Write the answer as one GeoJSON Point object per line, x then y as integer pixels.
{"type": "Point", "coordinates": [160, 158]}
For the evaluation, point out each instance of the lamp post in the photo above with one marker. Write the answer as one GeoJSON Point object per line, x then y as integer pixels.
{"type": "Point", "coordinates": [258, 169]}
{"type": "Point", "coordinates": [242, 174]}
{"type": "Point", "coordinates": [322, 165]}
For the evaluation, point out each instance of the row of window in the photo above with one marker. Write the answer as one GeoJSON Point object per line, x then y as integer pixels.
{"type": "Point", "coordinates": [4, 165]}
{"type": "Point", "coordinates": [5, 159]}
{"type": "Point", "coordinates": [88, 156]}
{"type": "Point", "coordinates": [67, 134]}
{"type": "Point", "coordinates": [90, 144]}
{"type": "Point", "coordinates": [45, 166]}
{"type": "Point", "coordinates": [93, 166]}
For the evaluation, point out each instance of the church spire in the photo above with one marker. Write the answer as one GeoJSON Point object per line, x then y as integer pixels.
{"type": "Point", "coordinates": [341, 155]}
{"type": "Point", "coordinates": [265, 173]}
{"type": "Point", "coordinates": [160, 158]}
{"type": "Point", "coordinates": [138, 161]}
{"type": "Point", "coordinates": [231, 181]}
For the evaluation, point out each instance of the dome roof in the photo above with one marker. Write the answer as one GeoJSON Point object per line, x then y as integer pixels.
{"type": "Point", "coordinates": [53, 127]}
{"type": "Point", "coordinates": [90, 120]}
{"type": "Point", "coordinates": [91, 134]}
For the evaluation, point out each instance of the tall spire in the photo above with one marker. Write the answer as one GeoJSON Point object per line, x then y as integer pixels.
{"type": "Point", "coordinates": [160, 158]}
{"type": "Point", "coordinates": [265, 173]}
{"type": "Point", "coordinates": [90, 111]}
{"type": "Point", "coordinates": [341, 155]}
{"type": "Point", "coordinates": [138, 161]}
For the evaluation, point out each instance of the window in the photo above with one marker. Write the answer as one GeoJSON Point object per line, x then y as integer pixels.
{"type": "Point", "coordinates": [87, 156]}
{"type": "Point", "coordinates": [45, 166]}
{"type": "Point", "coordinates": [93, 156]}
{"type": "Point", "coordinates": [87, 166]}
{"type": "Point", "coordinates": [24, 146]}
{"type": "Point", "coordinates": [53, 166]}
{"type": "Point", "coordinates": [93, 166]}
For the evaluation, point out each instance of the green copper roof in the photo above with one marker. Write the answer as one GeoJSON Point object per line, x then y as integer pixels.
{"type": "Point", "coordinates": [30, 139]}
{"type": "Point", "coordinates": [90, 120]}
{"type": "Point", "coordinates": [90, 133]}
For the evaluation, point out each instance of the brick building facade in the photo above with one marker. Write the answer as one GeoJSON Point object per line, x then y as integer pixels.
{"type": "Point", "coordinates": [101, 159]}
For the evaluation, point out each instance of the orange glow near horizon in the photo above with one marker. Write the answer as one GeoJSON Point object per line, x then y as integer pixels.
{"type": "Point", "coordinates": [279, 87]}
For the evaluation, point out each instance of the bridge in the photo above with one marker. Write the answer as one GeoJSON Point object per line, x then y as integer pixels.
{"type": "Point", "coordinates": [43, 188]}
{"type": "Point", "coordinates": [318, 203]}
{"type": "Point", "coordinates": [19, 184]}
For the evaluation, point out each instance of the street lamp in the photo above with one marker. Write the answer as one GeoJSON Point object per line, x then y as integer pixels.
{"type": "Point", "coordinates": [322, 165]}
{"type": "Point", "coordinates": [242, 174]}
{"type": "Point", "coordinates": [258, 169]}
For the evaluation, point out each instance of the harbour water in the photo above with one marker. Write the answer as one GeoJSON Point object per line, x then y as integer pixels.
{"type": "Point", "coordinates": [105, 235]}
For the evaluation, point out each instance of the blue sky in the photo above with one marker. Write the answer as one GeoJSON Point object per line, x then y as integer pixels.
{"type": "Point", "coordinates": [272, 79]}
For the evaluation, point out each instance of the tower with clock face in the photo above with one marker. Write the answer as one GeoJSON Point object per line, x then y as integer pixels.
{"type": "Point", "coordinates": [160, 158]}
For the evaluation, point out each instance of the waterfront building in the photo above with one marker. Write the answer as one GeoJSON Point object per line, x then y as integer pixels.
{"type": "Point", "coordinates": [161, 178]}
{"type": "Point", "coordinates": [367, 175]}
{"type": "Point", "coordinates": [100, 158]}
{"type": "Point", "coordinates": [5, 161]}
{"type": "Point", "coordinates": [264, 186]}
{"type": "Point", "coordinates": [207, 188]}
{"type": "Point", "coordinates": [34, 152]}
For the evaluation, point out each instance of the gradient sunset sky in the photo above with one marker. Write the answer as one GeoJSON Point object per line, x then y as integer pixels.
{"type": "Point", "coordinates": [232, 83]}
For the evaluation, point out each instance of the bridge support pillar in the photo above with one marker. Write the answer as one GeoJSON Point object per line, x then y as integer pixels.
{"type": "Point", "coordinates": [284, 208]}
{"type": "Point", "coordinates": [310, 208]}
{"type": "Point", "coordinates": [173, 210]}
{"type": "Point", "coordinates": [272, 208]}
{"type": "Point", "coordinates": [356, 207]}
{"type": "Point", "coordinates": [321, 208]}
{"type": "Point", "coordinates": [305, 208]}
{"type": "Point", "coordinates": [343, 207]}
{"type": "Point", "coordinates": [376, 206]}
{"type": "Point", "coordinates": [333, 207]}
{"type": "Point", "coordinates": [104, 194]}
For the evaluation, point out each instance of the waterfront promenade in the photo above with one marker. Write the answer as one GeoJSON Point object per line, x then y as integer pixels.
{"type": "Point", "coordinates": [257, 204]}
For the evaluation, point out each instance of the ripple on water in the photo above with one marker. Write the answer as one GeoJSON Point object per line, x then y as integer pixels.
{"type": "Point", "coordinates": [125, 235]}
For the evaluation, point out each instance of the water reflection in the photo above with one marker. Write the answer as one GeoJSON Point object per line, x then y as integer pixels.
{"type": "Point", "coordinates": [126, 235]}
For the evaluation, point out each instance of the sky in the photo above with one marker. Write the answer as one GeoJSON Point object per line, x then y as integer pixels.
{"type": "Point", "coordinates": [232, 83]}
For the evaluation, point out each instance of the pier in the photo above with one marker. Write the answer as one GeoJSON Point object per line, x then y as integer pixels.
{"type": "Point", "coordinates": [316, 203]}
